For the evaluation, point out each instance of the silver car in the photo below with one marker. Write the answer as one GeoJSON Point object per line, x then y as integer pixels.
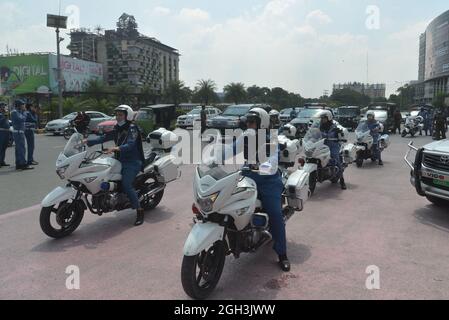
{"type": "Point", "coordinates": [57, 126]}
{"type": "Point", "coordinates": [193, 118]}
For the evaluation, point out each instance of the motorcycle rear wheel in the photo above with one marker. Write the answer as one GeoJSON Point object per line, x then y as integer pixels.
{"type": "Point", "coordinates": [200, 274]}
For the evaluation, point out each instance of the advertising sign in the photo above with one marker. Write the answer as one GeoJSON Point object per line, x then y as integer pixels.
{"type": "Point", "coordinates": [76, 73]}
{"type": "Point", "coordinates": [23, 74]}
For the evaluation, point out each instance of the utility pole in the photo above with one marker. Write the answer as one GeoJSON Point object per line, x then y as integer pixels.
{"type": "Point", "coordinates": [58, 22]}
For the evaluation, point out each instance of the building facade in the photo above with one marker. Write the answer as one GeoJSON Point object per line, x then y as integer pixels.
{"type": "Point", "coordinates": [129, 58]}
{"type": "Point", "coordinates": [371, 90]}
{"type": "Point", "coordinates": [433, 74]}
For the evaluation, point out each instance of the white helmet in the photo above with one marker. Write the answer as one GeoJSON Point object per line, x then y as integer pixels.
{"type": "Point", "coordinates": [260, 116]}
{"type": "Point", "coordinates": [289, 130]}
{"type": "Point", "coordinates": [328, 114]}
{"type": "Point", "coordinates": [371, 113]}
{"type": "Point", "coordinates": [128, 110]}
{"type": "Point", "coordinates": [274, 113]}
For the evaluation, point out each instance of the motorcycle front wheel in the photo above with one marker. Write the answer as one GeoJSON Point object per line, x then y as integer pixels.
{"type": "Point", "coordinates": [60, 222]}
{"type": "Point", "coordinates": [404, 134]}
{"type": "Point", "coordinates": [200, 274]}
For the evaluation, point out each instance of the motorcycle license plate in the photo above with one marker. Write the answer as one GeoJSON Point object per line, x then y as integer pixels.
{"type": "Point", "coordinates": [441, 183]}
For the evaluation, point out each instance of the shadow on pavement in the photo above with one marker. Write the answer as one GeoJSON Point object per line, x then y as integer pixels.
{"type": "Point", "coordinates": [433, 216]}
{"type": "Point", "coordinates": [93, 235]}
{"type": "Point", "coordinates": [240, 276]}
{"type": "Point", "coordinates": [328, 190]}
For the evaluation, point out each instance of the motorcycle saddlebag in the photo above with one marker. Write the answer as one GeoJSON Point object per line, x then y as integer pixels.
{"type": "Point", "coordinates": [297, 190]}
{"type": "Point", "coordinates": [167, 168]}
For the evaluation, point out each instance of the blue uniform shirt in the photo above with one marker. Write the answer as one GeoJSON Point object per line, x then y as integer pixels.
{"type": "Point", "coordinates": [128, 140]}
{"type": "Point", "coordinates": [30, 120]}
{"type": "Point", "coordinates": [4, 123]}
{"type": "Point", "coordinates": [18, 120]}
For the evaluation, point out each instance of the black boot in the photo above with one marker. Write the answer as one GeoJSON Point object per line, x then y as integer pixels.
{"type": "Point", "coordinates": [343, 184]}
{"type": "Point", "coordinates": [284, 263]}
{"type": "Point", "coordinates": [140, 217]}
{"type": "Point", "coordinates": [381, 163]}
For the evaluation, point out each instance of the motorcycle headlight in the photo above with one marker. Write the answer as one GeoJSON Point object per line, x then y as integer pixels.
{"type": "Point", "coordinates": [61, 171]}
{"type": "Point", "coordinates": [207, 204]}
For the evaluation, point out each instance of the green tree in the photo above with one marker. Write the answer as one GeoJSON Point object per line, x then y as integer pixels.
{"type": "Point", "coordinates": [235, 92]}
{"type": "Point", "coordinates": [122, 91]}
{"type": "Point", "coordinates": [175, 92]}
{"type": "Point", "coordinates": [205, 91]}
{"type": "Point", "coordinates": [96, 89]}
{"type": "Point", "coordinates": [406, 96]}
{"type": "Point", "coordinates": [148, 95]}
{"type": "Point", "coordinates": [439, 100]}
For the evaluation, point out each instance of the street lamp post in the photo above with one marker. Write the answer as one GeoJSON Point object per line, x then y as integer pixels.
{"type": "Point", "coordinates": [58, 22]}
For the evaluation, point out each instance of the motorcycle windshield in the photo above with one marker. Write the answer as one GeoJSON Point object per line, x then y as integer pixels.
{"type": "Point", "coordinates": [214, 163]}
{"type": "Point", "coordinates": [74, 146]}
{"type": "Point", "coordinates": [362, 131]}
{"type": "Point", "coordinates": [313, 136]}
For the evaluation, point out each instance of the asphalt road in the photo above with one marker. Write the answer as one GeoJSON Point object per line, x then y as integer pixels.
{"type": "Point", "coordinates": [379, 221]}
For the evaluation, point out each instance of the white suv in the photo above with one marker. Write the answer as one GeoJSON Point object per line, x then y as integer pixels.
{"type": "Point", "coordinates": [430, 172]}
{"type": "Point", "coordinates": [193, 118]}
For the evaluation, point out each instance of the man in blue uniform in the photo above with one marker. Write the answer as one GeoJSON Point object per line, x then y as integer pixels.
{"type": "Point", "coordinates": [4, 135]}
{"type": "Point", "coordinates": [269, 182]}
{"type": "Point", "coordinates": [129, 151]}
{"type": "Point", "coordinates": [18, 123]}
{"type": "Point", "coordinates": [332, 132]}
{"type": "Point", "coordinates": [375, 129]}
{"type": "Point", "coordinates": [30, 127]}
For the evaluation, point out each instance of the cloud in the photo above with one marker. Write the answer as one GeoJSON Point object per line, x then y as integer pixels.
{"type": "Point", "coordinates": [161, 11]}
{"type": "Point", "coordinates": [193, 15]}
{"type": "Point", "coordinates": [318, 17]}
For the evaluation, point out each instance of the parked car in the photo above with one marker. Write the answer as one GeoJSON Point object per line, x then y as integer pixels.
{"type": "Point", "coordinates": [193, 118]}
{"type": "Point", "coordinates": [305, 118]}
{"type": "Point", "coordinates": [232, 117]}
{"type": "Point", "coordinates": [57, 126]}
{"type": "Point", "coordinates": [106, 126]}
{"type": "Point", "coordinates": [430, 171]}
{"type": "Point", "coordinates": [285, 116]}
{"type": "Point", "coordinates": [349, 117]}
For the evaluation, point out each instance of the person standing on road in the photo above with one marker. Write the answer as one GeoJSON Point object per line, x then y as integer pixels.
{"type": "Point", "coordinates": [203, 119]}
{"type": "Point", "coordinates": [86, 123]}
{"type": "Point", "coordinates": [30, 128]}
{"type": "Point", "coordinates": [425, 115]}
{"type": "Point", "coordinates": [18, 118]}
{"type": "Point", "coordinates": [397, 121]}
{"type": "Point", "coordinates": [440, 125]}
{"type": "Point", "coordinates": [4, 135]}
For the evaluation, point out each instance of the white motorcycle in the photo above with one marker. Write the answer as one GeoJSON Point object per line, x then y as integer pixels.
{"type": "Point", "coordinates": [317, 164]}
{"type": "Point", "coordinates": [413, 125]}
{"type": "Point", "coordinates": [229, 220]}
{"type": "Point", "coordinates": [364, 144]}
{"type": "Point", "coordinates": [93, 182]}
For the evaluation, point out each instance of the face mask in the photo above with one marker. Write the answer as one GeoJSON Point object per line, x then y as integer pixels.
{"type": "Point", "coordinates": [121, 123]}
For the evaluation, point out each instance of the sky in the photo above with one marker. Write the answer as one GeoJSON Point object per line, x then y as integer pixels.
{"type": "Point", "coordinates": [303, 46]}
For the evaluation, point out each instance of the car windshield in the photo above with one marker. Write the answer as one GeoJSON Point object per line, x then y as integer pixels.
{"type": "Point", "coordinates": [286, 111]}
{"type": "Point", "coordinates": [74, 145]}
{"type": "Point", "coordinates": [70, 116]}
{"type": "Point", "coordinates": [195, 112]}
{"type": "Point", "coordinates": [310, 113]}
{"type": "Point", "coordinates": [144, 115]}
{"type": "Point", "coordinates": [237, 111]}
{"type": "Point", "coordinates": [348, 112]}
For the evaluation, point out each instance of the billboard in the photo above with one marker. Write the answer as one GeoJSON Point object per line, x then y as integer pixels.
{"type": "Point", "coordinates": [75, 73]}
{"type": "Point", "coordinates": [23, 74]}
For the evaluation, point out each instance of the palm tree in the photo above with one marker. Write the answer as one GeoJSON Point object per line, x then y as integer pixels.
{"type": "Point", "coordinates": [175, 92]}
{"type": "Point", "coordinates": [235, 92]}
{"type": "Point", "coordinates": [205, 90]}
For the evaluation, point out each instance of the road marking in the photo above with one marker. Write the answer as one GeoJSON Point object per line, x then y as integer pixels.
{"type": "Point", "coordinates": [19, 212]}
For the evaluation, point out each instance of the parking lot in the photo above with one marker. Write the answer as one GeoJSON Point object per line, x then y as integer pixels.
{"type": "Point", "coordinates": [379, 221]}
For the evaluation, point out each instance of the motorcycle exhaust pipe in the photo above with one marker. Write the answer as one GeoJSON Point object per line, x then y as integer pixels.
{"type": "Point", "coordinates": [153, 192]}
